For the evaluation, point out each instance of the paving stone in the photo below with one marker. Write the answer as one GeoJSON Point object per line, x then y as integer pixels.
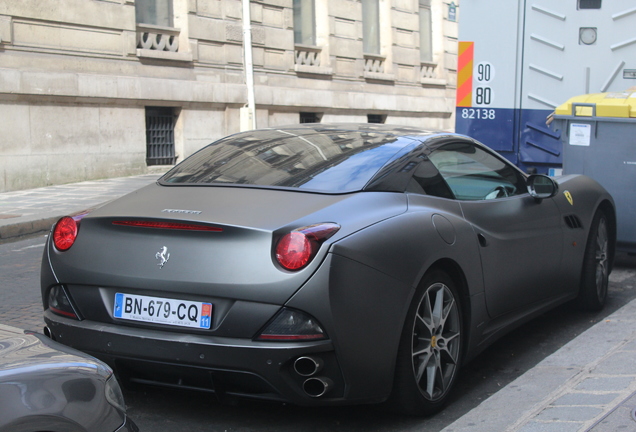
{"type": "Point", "coordinates": [630, 346]}
{"type": "Point", "coordinates": [580, 414]}
{"type": "Point", "coordinates": [536, 426]}
{"type": "Point", "coordinates": [618, 420]}
{"type": "Point", "coordinates": [620, 363]}
{"type": "Point", "coordinates": [631, 401]}
{"type": "Point", "coordinates": [605, 383]}
{"type": "Point", "coordinates": [586, 399]}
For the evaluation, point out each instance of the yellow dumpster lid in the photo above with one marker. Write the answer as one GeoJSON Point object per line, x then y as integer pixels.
{"type": "Point", "coordinates": [607, 105]}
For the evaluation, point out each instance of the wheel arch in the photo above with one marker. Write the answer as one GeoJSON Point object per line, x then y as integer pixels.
{"type": "Point", "coordinates": [444, 269]}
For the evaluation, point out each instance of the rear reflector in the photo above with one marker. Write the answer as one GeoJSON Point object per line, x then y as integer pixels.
{"type": "Point", "coordinates": [60, 304]}
{"type": "Point", "coordinates": [168, 225]}
{"type": "Point", "coordinates": [292, 325]}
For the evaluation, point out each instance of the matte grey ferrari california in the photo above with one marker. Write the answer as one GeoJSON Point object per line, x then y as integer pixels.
{"type": "Point", "coordinates": [325, 264]}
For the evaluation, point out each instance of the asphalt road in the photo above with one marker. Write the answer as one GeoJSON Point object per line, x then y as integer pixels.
{"type": "Point", "coordinates": [155, 409]}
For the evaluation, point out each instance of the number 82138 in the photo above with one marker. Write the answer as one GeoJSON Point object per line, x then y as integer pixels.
{"type": "Point", "coordinates": [478, 113]}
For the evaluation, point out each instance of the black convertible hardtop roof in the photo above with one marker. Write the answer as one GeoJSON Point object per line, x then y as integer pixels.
{"type": "Point", "coordinates": [329, 158]}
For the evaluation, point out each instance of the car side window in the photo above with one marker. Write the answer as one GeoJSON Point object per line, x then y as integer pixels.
{"type": "Point", "coordinates": [427, 180]}
{"type": "Point", "coordinates": [473, 173]}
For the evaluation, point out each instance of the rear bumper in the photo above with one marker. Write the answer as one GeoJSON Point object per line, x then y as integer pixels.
{"type": "Point", "coordinates": [226, 366]}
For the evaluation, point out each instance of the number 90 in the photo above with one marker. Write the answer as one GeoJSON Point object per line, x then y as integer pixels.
{"type": "Point", "coordinates": [484, 72]}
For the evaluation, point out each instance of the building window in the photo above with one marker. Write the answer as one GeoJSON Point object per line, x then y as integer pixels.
{"type": "Point", "coordinates": [155, 30]}
{"type": "Point", "coordinates": [426, 32]}
{"type": "Point", "coordinates": [160, 136]}
{"type": "Point", "coordinates": [589, 4]}
{"type": "Point", "coordinates": [371, 26]}
{"type": "Point", "coordinates": [307, 117]}
{"type": "Point", "coordinates": [304, 22]}
{"type": "Point", "coordinates": [376, 118]}
{"type": "Point", "coordinates": [155, 12]}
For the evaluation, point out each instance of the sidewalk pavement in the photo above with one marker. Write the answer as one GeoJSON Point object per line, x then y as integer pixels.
{"type": "Point", "coordinates": [587, 385]}
{"type": "Point", "coordinates": [36, 210]}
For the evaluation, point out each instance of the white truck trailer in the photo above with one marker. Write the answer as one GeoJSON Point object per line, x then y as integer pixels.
{"type": "Point", "coordinates": [520, 59]}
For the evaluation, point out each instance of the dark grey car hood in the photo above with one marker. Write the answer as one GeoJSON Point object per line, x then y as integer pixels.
{"type": "Point", "coordinates": [31, 354]}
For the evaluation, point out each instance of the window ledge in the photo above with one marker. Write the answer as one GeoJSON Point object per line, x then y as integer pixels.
{"type": "Point", "coordinates": [300, 47]}
{"type": "Point", "coordinates": [374, 56]}
{"type": "Point", "coordinates": [433, 82]}
{"type": "Point", "coordinates": [164, 55]}
{"type": "Point", "coordinates": [314, 70]}
{"type": "Point", "coordinates": [380, 76]}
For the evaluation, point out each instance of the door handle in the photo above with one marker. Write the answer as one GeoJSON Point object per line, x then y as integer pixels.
{"type": "Point", "coordinates": [482, 240]}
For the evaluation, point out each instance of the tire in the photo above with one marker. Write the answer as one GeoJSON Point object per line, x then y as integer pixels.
{"type": "Point", "coordinates": [430, 350]}
{"type": "Point", "coordinates": [596, 266]}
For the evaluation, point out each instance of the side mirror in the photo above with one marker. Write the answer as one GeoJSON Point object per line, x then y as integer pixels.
{"type": "Point", "coordinates": [541, 186]}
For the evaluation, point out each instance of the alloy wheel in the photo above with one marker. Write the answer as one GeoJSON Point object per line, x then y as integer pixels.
{"type": "Point", "coordinates": [601, 257]}
{"type": "Point", "coordinates": [436, 341]}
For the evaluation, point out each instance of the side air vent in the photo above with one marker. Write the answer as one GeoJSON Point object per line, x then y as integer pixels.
{"type": "Point", "coordinates": [573, 222]}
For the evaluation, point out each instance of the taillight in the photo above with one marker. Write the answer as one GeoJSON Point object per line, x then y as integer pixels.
{"type": "Point", "coordinates": [66, 229]}
{"type": "Point", "coordinates": [65, 233]}
{"type": "Point", "coordinates": [296, 249]}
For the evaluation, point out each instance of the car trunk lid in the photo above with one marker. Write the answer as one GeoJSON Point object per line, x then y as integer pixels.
{"type": "Point", "coordinates": [233, 258]}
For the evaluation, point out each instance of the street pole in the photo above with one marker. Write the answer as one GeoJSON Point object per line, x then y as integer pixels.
{"type": "Point", "coordinates": [248, 112]}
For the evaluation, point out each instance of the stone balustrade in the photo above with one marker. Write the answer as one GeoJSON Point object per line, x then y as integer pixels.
{"type": "Point", "coordinates": [307, 55]}
{"type": "Point", "coordinates": [157, 38]}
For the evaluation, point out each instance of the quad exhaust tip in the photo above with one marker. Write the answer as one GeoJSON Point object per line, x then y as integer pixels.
{"type": "Point", "coordinates": [48, 333]}
{"type": "Point", "coordinates": [313, 386]}
{"type": "Point", "coordinates": [308, 366]}
{"type": "Point", "coordinates": [316, 387]}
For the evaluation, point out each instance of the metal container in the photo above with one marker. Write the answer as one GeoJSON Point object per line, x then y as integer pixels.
{"type": "Point", "coordinates": [598, 132]}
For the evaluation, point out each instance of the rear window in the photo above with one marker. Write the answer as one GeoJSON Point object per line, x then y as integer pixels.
{"type": "Point", "coordinates": [329, 161]}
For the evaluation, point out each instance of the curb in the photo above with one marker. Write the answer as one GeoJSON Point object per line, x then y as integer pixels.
{"type": "Point", "coordinates": [25, 228]}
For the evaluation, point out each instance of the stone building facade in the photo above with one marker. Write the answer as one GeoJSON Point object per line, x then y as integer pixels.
{"type": "Point", "coordinates": [91, 89]}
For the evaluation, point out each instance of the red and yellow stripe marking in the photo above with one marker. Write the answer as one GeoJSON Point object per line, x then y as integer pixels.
{"type": "Point", "coordinates": [465, 74]}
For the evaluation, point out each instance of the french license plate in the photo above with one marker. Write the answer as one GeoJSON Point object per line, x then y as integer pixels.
{"type": "Point", "coordinates": [159, 310]}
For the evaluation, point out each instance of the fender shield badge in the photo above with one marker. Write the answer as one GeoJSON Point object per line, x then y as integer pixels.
{"type": "Point", "coordinates": [568, 196]}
